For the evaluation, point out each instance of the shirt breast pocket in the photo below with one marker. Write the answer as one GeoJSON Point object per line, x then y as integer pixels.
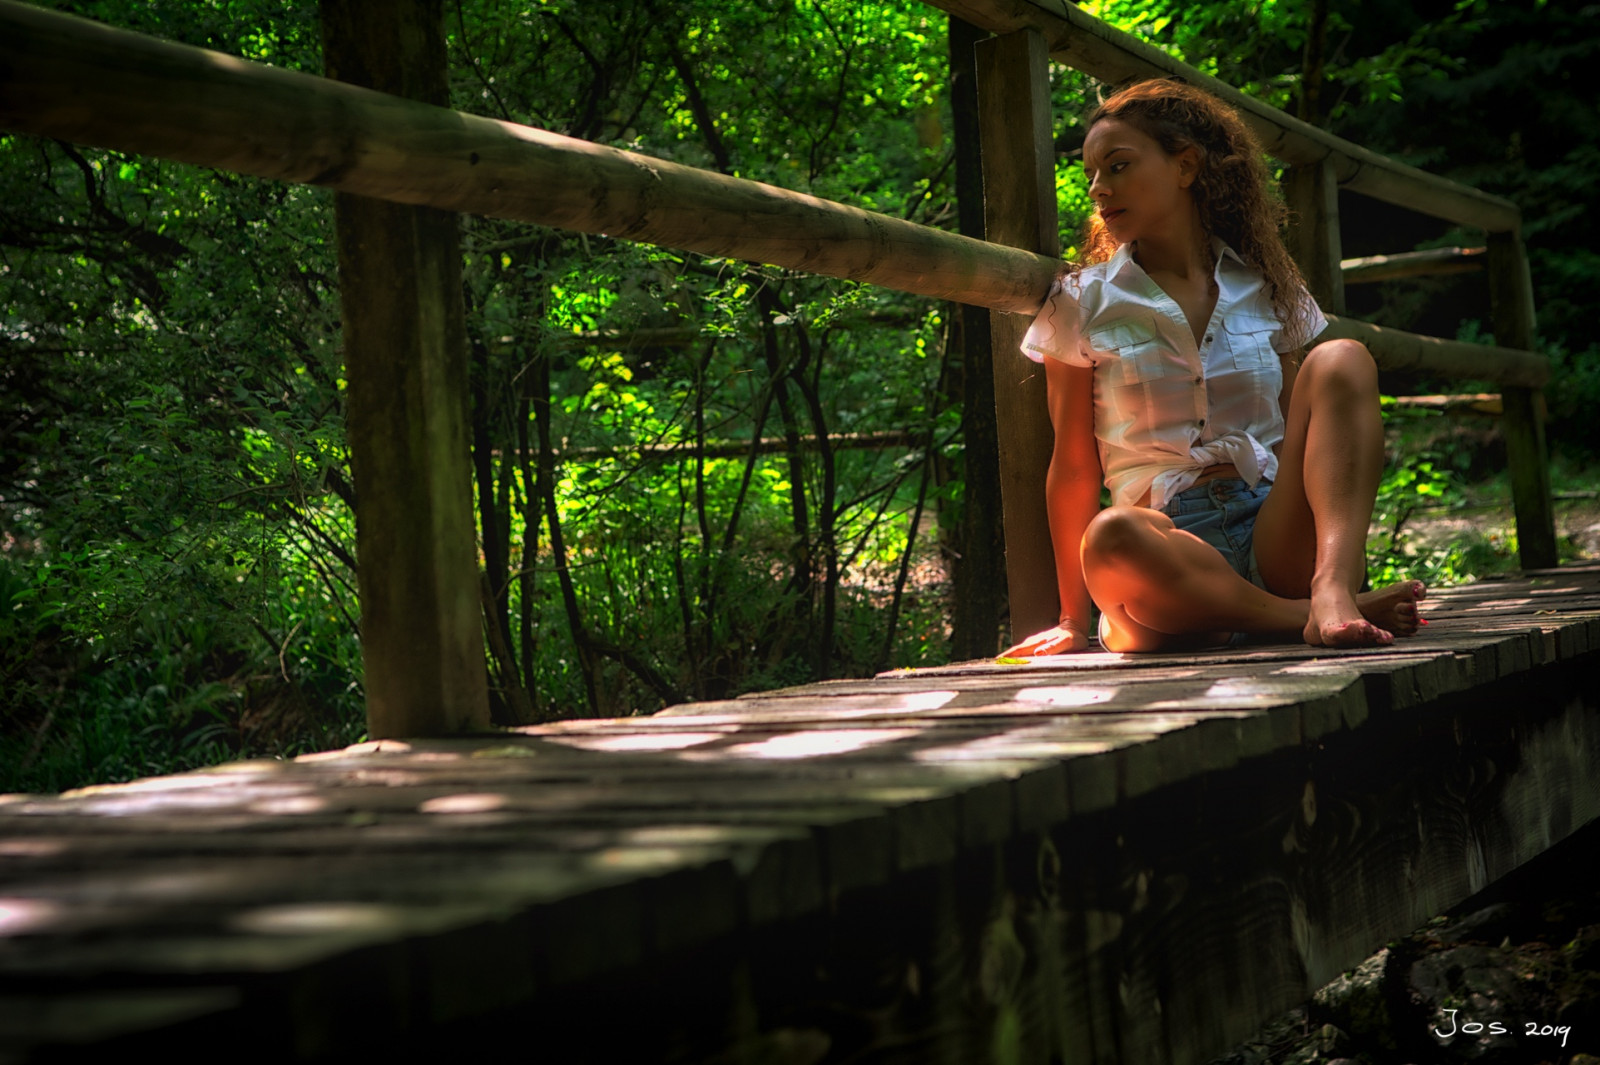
{"type": "Point", "coordinates": [1132, 353]}
{"type": "Point", "coordinates": [1247, 341]}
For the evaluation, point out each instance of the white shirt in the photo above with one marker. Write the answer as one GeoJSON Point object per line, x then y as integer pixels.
{"type": "Point", "coordinates": [1165, 407]}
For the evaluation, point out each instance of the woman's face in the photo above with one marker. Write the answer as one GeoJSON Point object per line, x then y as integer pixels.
{"type": "Point", "coordinates": [1139, 190]}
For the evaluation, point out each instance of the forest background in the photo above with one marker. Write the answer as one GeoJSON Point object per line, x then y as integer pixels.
{"type": "Point", "coordinates": [694, 477]}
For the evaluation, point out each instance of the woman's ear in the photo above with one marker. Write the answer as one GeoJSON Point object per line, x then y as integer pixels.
{"type": "Point", "coordinates": [1188, 165]}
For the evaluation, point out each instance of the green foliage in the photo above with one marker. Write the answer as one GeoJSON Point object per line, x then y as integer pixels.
{"type": "Point", "coordinates": [671, 497]}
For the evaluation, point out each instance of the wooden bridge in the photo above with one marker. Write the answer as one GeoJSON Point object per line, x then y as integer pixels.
{"type": "Point", "coordinates": [1099, 859]}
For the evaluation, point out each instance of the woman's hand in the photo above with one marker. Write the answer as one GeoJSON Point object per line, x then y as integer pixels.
{"type": "Point", "coordinates": [1061, 640]}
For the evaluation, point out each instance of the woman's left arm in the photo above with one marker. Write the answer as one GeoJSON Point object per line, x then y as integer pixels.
{"type": "Point", "coordinates": [1290, 361]}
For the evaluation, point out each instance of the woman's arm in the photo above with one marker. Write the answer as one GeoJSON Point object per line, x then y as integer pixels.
{"type": "Point", "coordinates": [1290, 361]}
{"type": "Point", "coordinates": [1072, 498]}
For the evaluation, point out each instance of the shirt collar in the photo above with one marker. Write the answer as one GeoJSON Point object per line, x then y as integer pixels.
{"type": "Point", "coordinates": [1120, 260]}
{"type": "Point", "coordinates": [1223, 250]}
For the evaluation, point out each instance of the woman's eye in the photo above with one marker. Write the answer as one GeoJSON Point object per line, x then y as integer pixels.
{"type": "Point", "coordinates": [1117, 168]}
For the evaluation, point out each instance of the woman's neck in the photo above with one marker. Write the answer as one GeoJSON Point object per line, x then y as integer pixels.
{"type": "Point", "coordinates": [1185, 253]}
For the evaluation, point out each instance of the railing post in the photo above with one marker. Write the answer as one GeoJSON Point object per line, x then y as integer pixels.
{"type": "Point", "coordinates": [1312, 193]}
{"type": "Point", "coordinates": [1511, 293]}
{"type": "Point", "coordinates": [406, 362]}
{"type": "Point", "coordinates": [978, 574]}
{"type": "Point", "coordinates": [1019, 197]}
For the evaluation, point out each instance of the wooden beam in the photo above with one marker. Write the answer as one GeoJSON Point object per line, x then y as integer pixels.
{"type": "Point", "coordinates": [80, 81]}
{"type": "Point", "coordinates": [406, 360]}
{"type": "Point", "coordinates": [1396, 349]}
{"type": "Point", "coordinates": [1429, 261]}
{"type": "Point", "coordinates": [1511, 296]}
{"type": "Point", "coordinates": [977, 548]}
{"type": "Point", "coordinates": [1085, 43]}
{"type": "Point", "coordinates": [1475, 403]}
{"type": "Point", "coordinates": [1020, 210]}
{"type": "Point", "coordinates": [1312, 191]}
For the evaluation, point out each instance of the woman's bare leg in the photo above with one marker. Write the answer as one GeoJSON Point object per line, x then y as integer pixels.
{"type": "Point", "coordinates": [1156, 584]}
{"type": "Point", "coordinates": [1163, 589]}
{"type": "Point", "coordinates": [1311, 534]}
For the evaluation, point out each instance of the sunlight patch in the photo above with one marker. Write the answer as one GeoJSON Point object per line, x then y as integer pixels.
{"type": "Point", "coordinates": [480, 802]}
{"type": "Point", "coordinates": [1070, 695]}
{"type": "Point", "coordinates": [21, 916]}
{"type": "Point", "coordinates": [636, 741]}
{"type": "Point", "coordinates": [815, 743]}
{"type": "Point", "coordinates": [317, 918]}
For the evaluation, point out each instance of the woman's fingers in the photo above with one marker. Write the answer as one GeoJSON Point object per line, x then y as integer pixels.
{"type": "Point", "coordinates": [1059, 640]}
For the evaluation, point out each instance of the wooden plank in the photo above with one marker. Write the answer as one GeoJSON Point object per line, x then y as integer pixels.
{"type": "Point", "coordinates": [405, 353]}
{"type": "Point", "coordinates": [1019, 203]}
{"type": "Point", "coordinates": [91, 84]}
{"type": "Point", "coordinates": [1312, 193]}
{"type": "Point", "coordinates": [1085, 43]}
{"type": "Point", "coordinates": [1511, 295]}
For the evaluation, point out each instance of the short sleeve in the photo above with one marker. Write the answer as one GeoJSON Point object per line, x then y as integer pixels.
{"type": "Point", "coordinates": [1054, 332]}
{"type": "Point", "coordinates": [1314, 321]}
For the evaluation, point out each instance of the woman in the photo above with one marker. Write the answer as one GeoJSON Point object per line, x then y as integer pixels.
{"type": "Point", "coordinates": [1242, 475]}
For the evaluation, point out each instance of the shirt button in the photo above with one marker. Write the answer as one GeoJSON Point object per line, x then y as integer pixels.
{"type": "Point", "coordinates": [1208, 340]}
{"type": "Point", "coordinates": [1199, 380]}
{"type": "Point", "coordinates": [1201, 423]}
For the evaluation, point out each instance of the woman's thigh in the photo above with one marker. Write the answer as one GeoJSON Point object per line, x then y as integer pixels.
{"type": "Point", "coordinates": [1286, 530]}
{"type": "Point", "coordinates": [1335, 375]}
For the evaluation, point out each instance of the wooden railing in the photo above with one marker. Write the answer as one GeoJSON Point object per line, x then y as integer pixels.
{"type": "Point", "coordinates": [75, 80]}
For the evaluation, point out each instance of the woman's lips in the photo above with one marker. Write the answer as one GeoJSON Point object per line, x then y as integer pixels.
{"type": "Point", "coordinates": [1106, 216]}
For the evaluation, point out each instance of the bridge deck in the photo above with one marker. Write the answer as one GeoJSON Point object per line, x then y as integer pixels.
{"type": "Point", "coordinates": [1101, 857]}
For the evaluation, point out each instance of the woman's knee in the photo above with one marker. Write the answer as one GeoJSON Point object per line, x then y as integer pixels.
{"type": "Point", "coordinates": [1122, 533]}
{"type": "Point", "coordinates": [1341, 363]}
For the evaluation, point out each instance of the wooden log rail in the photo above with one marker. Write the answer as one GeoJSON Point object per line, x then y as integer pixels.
{"type": "Point", "coordinates": [88, 83]}
{"type": "Point", "coordinates": [1429, 262]}
{"type": "Point", "coordinates": [84, 82]}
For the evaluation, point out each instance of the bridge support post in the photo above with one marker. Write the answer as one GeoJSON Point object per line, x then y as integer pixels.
{"type": "Point", "coordinates": [406, 362]}
{"type": "Point", "coordinates": [1511, 293]}
{"type": "Point", "coordinates": [1019, 195]}
{"type": "Point", "coordinates": [978, 573]}
{"type": "Point", "coordinates": [1312, 193]}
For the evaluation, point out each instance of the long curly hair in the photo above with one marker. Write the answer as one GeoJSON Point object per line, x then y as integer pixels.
{"type": "Point", "coordinates": [1232, 187]}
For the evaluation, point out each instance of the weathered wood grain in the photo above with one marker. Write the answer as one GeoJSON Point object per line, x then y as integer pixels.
{"type": "Point", "coordinates": [405, 350]}
{"type": "Point", "coordinates": [1019, 208]}
{"type": "Point", "coordinates": [1522, 420]}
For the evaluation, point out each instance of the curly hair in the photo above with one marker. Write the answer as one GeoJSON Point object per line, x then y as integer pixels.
{"type": "Point", "coordinates": [1232, 188]}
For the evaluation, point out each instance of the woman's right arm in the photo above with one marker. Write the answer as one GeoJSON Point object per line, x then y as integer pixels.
{"type": "Point", "coordinates": [1072, 498]}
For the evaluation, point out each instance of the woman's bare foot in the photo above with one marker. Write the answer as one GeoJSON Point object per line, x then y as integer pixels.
{"type": "Point", "coordinates": [1370, 619]}
{"type": "Point", "coordinates": [1395, 607]}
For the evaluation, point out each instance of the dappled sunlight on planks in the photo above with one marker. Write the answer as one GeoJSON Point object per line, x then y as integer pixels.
{"type": "Point", "coordinates": [464, 803]}
{"type": "Point", "coordinates": [671, 741]}
{"type": "Point", "coordinates": [25, 916]}
{"type": "Point", "coordinates": [1071, 695]}
{"type": "Point", "coordinates": [813, 743]}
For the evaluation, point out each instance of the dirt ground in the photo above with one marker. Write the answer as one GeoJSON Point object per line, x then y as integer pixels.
{"type": "Point", "coordinates": [1577, 524]}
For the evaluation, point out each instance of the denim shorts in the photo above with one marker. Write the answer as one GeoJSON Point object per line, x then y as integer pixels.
{"type": "Point", "coordinates": [1223, 512]}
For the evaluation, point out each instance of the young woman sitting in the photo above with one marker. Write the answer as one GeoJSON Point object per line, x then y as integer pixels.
{"type": "Point", "coordinates": [1242, 469]}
